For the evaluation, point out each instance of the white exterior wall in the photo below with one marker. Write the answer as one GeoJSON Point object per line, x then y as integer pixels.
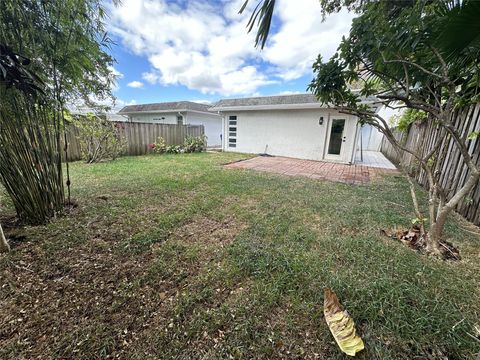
{"type": "Point", "coordinates": [155, 118]}
{"type": "Point", "coordinates": [292, 133]}
{"type": "Point", "coordinates": [211, 122]}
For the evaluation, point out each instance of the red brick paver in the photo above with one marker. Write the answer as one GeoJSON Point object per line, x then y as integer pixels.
{"type": "Point", "coordinates": [349, 174]}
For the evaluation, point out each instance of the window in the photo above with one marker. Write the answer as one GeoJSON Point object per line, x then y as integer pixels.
{"type": "Point", "coordinates": [179, 120]}
{"type": "Point", "coordinates": [232, 131]}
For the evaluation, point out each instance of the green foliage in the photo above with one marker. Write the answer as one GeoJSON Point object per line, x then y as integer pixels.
{"type": "Point", "coordinates": [64, 43]}
{"type": "Point", "coordinates": [409, 117]}
{"type": "Point", "coordinates": [461, 31]}
{"type": "Point", "coordinates": [399, 54]}
{"type": "Point", "coordinates": [391, 51]}
{"type": "Point", "coordinates": [51, 53]}
{"type": "Point", "coordinates": [160, 147]}
{"type": "Point", "coordinates": [473, 135]}
{"type": "Point", "coordinates": [30, 161]}
{"type": "Point", "coordinates": [192, 144]}
{"type": "Point", "coordinates": [224, 254]}
{"type": "Point", "coordinates": [99, 138]}
{"type": "Point", "coordinates": [14, 72]}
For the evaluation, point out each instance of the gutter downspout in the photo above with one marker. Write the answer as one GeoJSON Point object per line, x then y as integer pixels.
{"type": "Point", "coordinates": [222, 135]}
{"type": "Point", "coordinates": [184, 118]}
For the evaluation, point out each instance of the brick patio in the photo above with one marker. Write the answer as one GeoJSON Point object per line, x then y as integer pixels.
{"type": "Point", "coordinates": [349, 174]}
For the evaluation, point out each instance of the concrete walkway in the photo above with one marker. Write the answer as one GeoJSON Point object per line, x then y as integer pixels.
{"type": "Point", "coordinates": [349, 174]}
{"type": "Point", "coordinates": [373, 159]}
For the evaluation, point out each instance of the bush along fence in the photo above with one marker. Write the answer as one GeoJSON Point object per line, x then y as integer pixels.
{"type": "Point", "coordinates": [138, 137]}
{"type": "Point", "coordinates": [454, 171]}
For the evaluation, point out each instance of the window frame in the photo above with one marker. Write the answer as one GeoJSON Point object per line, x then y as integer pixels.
{"type": "Point", "coordinates": [232, 130]}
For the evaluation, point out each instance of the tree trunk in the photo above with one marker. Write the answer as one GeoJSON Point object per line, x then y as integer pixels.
{"type": "Point", "coordinates": [432, 239]}
{"type": "Point", "coordinates": [437, 225]}
{"type": "Point", "coordinates": [4, 247]}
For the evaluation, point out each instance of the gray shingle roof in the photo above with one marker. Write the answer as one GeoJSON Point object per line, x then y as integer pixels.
{"type": "Point", "coordinates": [165, 106]}
{"type": "Point", "coordinates": [268, 100]}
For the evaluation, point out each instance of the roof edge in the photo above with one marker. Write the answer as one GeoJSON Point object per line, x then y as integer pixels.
{"type": "Point", "coordinates": [300, 106]}
{"type": "Point", "coordinates": [269, 107]}
{"type": "Point", "coordinates": [122, 112]}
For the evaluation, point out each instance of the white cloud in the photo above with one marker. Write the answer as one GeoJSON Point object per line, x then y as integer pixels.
{"type": "Point", "coordinates": [288, 92]}
{"type": "Point", "coordinates": [151, 77]}
{"type": "Point", "coordinates": [135, 84]}
{"type": "Point", "coordinates": [206, 47]}
{"type": "Point", "coordinates": [302, 36]}
{"type": "Point", "coordinates": [115, 72]}
{"type": "Point", "coordinates": [201, 101]}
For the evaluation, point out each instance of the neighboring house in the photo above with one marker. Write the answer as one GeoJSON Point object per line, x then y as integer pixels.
{"type": "Point", "coordinates": [292, 125]}
{"type": "Point", "coordinates": [180, 112]}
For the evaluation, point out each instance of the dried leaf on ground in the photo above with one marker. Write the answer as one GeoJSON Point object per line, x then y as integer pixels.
{"type": "Point", "coordinates": [413, 239]}
{"type": "Point", "coordinates": [341, 325]}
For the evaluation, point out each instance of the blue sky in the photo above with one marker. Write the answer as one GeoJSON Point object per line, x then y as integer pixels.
{"type": "Point", "coordinates": [201, 51]}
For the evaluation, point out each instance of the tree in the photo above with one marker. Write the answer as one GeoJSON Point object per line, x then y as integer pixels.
{"type": "Point", "coordinates": [400, 54]}
{"type": "Point", "coordinates": [98, 137]}
{"type": "Point", "coordinates": [51, 53]}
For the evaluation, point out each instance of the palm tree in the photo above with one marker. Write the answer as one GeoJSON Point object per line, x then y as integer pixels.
{"type": "Point", "coordinates": [262, 15]}
{"type": "Point", "coordinates": [461, 32]}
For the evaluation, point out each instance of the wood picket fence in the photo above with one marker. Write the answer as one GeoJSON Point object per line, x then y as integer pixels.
{"type": "Point", "coordinates": [454, 171]}
{"type": "Point", "coordinates": [138, 136]}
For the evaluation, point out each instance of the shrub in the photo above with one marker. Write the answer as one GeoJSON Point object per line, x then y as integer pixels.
{"type": "Point", "coordinates": [409, 117]}
{"type": "Point", "coordinates": [174, 149]}
{"type": "Point", "coordinates": [191, 144]}
{"type": "Point", "coordinates": [160, 147]}
{"type": "Point", "coordinates": [195, 143]}
{"type": "Point", "coordinates": [99, 138]}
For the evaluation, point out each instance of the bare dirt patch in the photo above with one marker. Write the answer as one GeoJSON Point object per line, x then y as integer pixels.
{"type": "Point", "coordinates": [413, 239]}
{"type": "Point", "coordinates": [84, 301]}
{"type": "Point", "coordinates": [203, 230]}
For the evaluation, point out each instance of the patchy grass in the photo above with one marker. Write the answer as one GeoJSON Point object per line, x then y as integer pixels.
{"type": "Point", "coordinates": [176, 257]}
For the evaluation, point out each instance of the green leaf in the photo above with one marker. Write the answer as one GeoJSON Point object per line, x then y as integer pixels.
{"type": "Point", "coordinates": [473, 135]}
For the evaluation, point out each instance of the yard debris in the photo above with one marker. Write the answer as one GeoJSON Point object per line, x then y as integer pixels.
{"type": "Point", "coordinates": [341, 325]}
{"type": "Point", "coordinates": [415, 240]}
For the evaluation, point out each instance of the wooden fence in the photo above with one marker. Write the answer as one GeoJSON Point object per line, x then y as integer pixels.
{"type": "Point", "coordinates": [454, 172]}
{"type": "Point", "coordinates": [138, 136]}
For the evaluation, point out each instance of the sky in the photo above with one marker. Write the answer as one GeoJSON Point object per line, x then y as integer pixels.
{"type": "Point", "coordinates": [200, 50]}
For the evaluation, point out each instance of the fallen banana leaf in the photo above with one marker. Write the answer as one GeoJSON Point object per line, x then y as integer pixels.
{"type": "Point", "coordinates": [341, 324]}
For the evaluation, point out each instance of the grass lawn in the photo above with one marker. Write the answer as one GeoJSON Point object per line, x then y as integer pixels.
{"type": "Point", "coordinates": [176, 257]}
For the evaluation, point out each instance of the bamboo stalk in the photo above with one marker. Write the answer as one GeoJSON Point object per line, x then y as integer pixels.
{"type": "Point", "coordinates": [29, 168]}
{"type": "Point", "coordinates": [4, 247]}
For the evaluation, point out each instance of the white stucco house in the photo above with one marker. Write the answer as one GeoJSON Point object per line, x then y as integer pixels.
{"type": "Point", "coordinates": [179, 112]}
{"type": "Point", "coordinates": [295, 126]}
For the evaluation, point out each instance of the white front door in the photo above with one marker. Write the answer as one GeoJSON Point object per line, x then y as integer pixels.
{"type": "Point", "coordinates": [336, 139]}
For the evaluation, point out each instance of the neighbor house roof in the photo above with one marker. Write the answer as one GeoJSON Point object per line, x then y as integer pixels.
{"type": "Point", "coordinates": [176, 106]}
{"type": "Point", "coordinates": [296, 101]}
{"type": "Point", "coordinates": [267, 102]}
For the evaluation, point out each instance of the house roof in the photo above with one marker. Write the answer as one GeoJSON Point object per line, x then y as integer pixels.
{"type": "Point", "coordinates": [165, 107]}
{"type": "Point", "coordinates": [296, 101]}
{"type": "Point", "coordinates": [269, 100]}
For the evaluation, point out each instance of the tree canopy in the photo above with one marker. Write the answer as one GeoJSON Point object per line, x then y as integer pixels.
{"type": "Point", "coordinates": [52, 53]}
{"type": "Point", "coordinates": [396, 51]}
{"type": "Point", "coordinates": [59, 46]}
{"type": "Point", "coordinates": [404, 54]}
